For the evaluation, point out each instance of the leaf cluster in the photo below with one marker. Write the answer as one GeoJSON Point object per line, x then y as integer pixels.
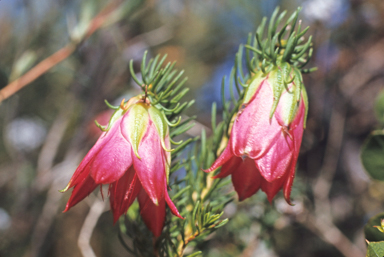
{"type": "Point", "coordinates": [199, 197]}
{"type": "Point", "coordinates": [279, 46]}
{"type": "Point", "coordinates": [162, 85]}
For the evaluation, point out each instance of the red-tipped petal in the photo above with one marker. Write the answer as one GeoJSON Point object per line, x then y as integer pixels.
{"type": "Point", "coordinates": [229, 167]}
{"type": "Point", "coordinates": [103, 139]}
{"type": "Point", "coordinates": [151, 167]}
{"type": "Point", "coordinates": [123, 192]}
{"type": "Point", "coordinates": [275, 163]}
{"type": "Point", "coordinates": [246, 179]}
{"type": "Point", "coordinates": [80, 177]}
{"type": "Point", "coordinates": [153, 216]}
{"type": "Point", "coordinates": [80, 191]}
{"type": "Point", "coordinates": [253, 132]}
{"type": "Point", "coordinates": [287, 187]}
{"type": "Point", "coordinates": [271, 188]}
{"type": "Point", "coordinates": [297, 127]}
{"type": "Point", "coordinates": [225, 156]}
{"type": "Point", "coordinates": [171, 205]}
{"type": "Point", "coordinates": [113, 160]}
{"type": "Point", "coordinates": [297, 132]}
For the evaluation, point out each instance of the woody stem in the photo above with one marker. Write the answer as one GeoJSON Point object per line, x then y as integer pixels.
{"type": "Point", "coordinates": [186, 242]}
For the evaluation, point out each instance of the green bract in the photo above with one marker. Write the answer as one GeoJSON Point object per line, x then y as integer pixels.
{"type": "Point", "coordinates": [161, 125]}
{"type": "Point", "coordinates": [138, 121]}
{"type": "Point", "coordinates": [256, 81]}
{"type": "Point", "coordinates": [279, 57]}
{"type": "Point", "coordinates": [287, 85]}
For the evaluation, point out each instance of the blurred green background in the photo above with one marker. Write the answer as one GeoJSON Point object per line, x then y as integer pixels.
{"type": "Point", "coordinates": [47, 127]}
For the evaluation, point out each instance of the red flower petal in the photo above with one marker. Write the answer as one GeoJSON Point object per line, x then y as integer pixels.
{"type": "Point", "coordinates": [275, 163]}
{"type": "Point", "coordinates": [253, 132]}
{"type": "Point", "coordinates": [113, 160]}
{"type": "Point", "coordinates": [229, 167]}
{"type": "Point", "coordinates": [123, 192]}
{"type": "Point", "coordinates": [171, 205]}
{"type": "Point", "coordinates": [153, 216]}
{"type": "Point", "coordinates": [80, 177]}
{"type": "Point", "coordinates": [225, 156]}
{"type": "Point", "coordinates": [297, 132]}
{"type": "Point", "coordinates": [103, 139]}
{"type": "Point", "coordinates": [271, 188]}
{"type": "Point", "coordinates": [81, 190]}
{"type": "Point", "coordinates": [246, 179]}
{"type": "Point", "coordinates": [287, 187]}
{"type": "Point", "coordinates": [151, 167]}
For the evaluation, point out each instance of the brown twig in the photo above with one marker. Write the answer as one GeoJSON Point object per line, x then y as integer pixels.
{"type": "Point", "coordinates": [62, 54]}
{"type": "Point", "coordinates": [37, 71]}
{"type": "Point", "coordinates": [183, 244]}
{"type": "Point", "coordinates": [100, 18]}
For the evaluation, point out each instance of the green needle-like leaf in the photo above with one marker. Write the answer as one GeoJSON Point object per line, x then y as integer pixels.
{"type": "Point", "coordinates": [133, 74]}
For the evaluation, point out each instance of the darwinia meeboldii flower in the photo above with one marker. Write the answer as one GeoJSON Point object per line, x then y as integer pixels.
{"type": "Point", "coordinates": [266, 133]}
{"type": "Point", "coordinates": [133, 157]}
{"type": "Point", "coordinates": [265, 137]}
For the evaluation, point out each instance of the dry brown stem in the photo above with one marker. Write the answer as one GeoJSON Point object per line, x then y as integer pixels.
{"type": "Point", "coordinates": [59, 56]}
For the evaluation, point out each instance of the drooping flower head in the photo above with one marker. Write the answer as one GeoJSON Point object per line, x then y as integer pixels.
{"type": "Point", "coordinates": [133, 157]}
{"type": "Point", "coordinates": [265, 137]}
{"type": "Point", "coordinates": [266, 132]}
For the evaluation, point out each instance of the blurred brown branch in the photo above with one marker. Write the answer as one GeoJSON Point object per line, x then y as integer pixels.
{"type": "Point", "coordinates": [37, 71]}
{"type": "Point", "coordinates": [328, 232]}
{"type": "Point", "coordinates": [320, 220]}
{"type": "Point", "coordinates": [48, 63]}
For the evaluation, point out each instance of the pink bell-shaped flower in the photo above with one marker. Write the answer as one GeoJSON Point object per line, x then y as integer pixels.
{"type": "Point", "coordinates": [265, 137]}
{"type": "Point", "coordinates": [133, 157]}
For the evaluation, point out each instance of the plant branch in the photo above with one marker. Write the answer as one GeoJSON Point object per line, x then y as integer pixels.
{"type": "Point", "coordinates": [56, 58]}
{"type": "Point", "coordinates": [184, 244]}
{"type": "Point", "coordinates": [192, 237]}
{"type": "Point", "coordinates": [37, 71]}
